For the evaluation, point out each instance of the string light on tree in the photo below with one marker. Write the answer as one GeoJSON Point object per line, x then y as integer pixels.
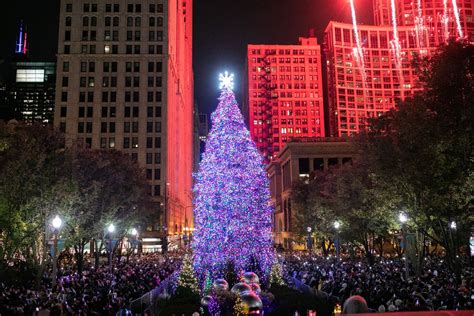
{"type": "Point", "coordinates": [232, 210]}
{"type": "Point", "coordinates": [226, 81]}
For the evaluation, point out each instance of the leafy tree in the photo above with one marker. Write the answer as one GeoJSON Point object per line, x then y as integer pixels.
{"type": "Point", "coordinates": [423, 149]}
{"type": "Point", "coordinates": [112, 189]}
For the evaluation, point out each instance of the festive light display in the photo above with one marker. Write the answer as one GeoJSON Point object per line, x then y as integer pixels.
{"type": "Point", "coordinates": [276, 274]}
{"type": "Point", "coordinates": [187, 281]}
{"type": "Point", "coordinates": [458, 21]}
{"type": "Point", "coordinates": [395, 42]}
{"type": "Point", "coordinates": [232, 212]}
{"type": "Point", "coordinates": [357, 51]}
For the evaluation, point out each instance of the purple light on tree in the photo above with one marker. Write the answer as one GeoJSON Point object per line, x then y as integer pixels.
{"type": "Point", "coordinates": [232, 212]}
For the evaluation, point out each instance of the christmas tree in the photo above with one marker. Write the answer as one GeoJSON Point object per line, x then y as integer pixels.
{"type": "Point", "coordinates": [187, 281]}
{"type": "Point", "coordinates": [232, 212]}
{"type": "Point", "coordinates": [276, 275]}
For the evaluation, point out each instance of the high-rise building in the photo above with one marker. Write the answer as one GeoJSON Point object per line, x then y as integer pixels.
{"type": "Point", "coordinates": [125, 82]}
{"type": "Point", "coordinates": [441, 19]}
{"type": "Point", "coordinates": [284, 94]}
{"type": "Point", "coordinates": [366, 81]}
{"type": "Point", "coordinates": [359, 91]}
{"type": "Point", "coordinates": [28, 87]}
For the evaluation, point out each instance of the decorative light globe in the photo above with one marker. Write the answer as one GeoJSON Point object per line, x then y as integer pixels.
{"type": "Point", "coordinates": [206, 300]}
{"type": "Point", "coordinates": [220, 284]}
{"type": "Point", "coordinates": [239, 288]}
{"type": "Point", "coordinates": [252, 301]}
{"type": "Point", "coordinates": [250, 277]}
{"type": "Point", "coordinates": [256, 288]}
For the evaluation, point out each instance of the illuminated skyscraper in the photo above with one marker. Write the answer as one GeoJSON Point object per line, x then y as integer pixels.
{"type": "Point", "coordinates": [359, 89]}
{"type": "Point", "coordinates": [284, 94]}
{"type": "Point", "coordinates": [125, 82]}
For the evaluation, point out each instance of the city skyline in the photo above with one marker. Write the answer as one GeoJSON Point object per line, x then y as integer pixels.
{"type": "Point", "coordinates": [220, 39]}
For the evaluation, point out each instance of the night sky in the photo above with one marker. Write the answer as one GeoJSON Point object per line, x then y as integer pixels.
{"type": "Point", "coordinates": [222, 29]}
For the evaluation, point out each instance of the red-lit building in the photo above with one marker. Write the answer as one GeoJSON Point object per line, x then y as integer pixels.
{"type": "Point", "coordinates": [354, 97]}
{"type": "Point", "coordinates": [432, 16]}
{"type": "Point", "coordinates": [125, 82]}
{"type": "Point", "coordinates": [285, 94]}
{"type": "Point", "coordinates": [362, 88]}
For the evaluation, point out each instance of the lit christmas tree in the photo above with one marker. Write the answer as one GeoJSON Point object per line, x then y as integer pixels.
{"type": "Point", "coordinates": [187, 281]}
{"type": "Point", "coordinates": [232, 212]}
{"type": "Point", "coordinates": [276, 275]}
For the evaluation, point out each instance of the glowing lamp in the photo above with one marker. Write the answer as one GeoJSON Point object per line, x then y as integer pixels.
{"type": "Point", "coordinates": [57, 222]}
{"type": "Point", "coordinates": [111, 228]}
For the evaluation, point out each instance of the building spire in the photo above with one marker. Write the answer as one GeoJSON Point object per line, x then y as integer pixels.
{"type": "Point", "coordinates": [21, 42]}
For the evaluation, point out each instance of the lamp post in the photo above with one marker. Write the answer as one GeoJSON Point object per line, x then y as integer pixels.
{"type": "Point", "coordinates": [337, 225]}
{"type": "Point", "coordinates": [111, 230]}
{"type": "Point", "coordinates": [403, 218]}
{"type": "Point", "coordinates": [135, 242]}
{"type": "Point", "coordinates": [56, 223]}
{"type": "Point", "coordinates": [310, 240]}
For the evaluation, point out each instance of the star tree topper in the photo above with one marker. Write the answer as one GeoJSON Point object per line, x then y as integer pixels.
{"type": "Point", "coordinates": [226, 81]}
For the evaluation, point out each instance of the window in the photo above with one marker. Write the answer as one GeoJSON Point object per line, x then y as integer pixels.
{"type": "Point", "coordinates": [85, 21]}
{"type": "Point", "coordinates": [68, 21]}
{"type": "Point", "coordinates": [65, 66]}
{"type": "Point", "coordinates": [107, 49]}
{"type": "Point", "coordinates": [130, 8]}
{"type": "Point", "coordinates": [108, 7]}
{"type": "Point", "coordinates": [116, 21]}
{"type": "Point", "coordinates": [91, 66]}
{"type": "Point", "coordinates": [152, 8]}
{"type": "Point", "coordinates": [134, 142]}
{"type": "Point", "coordinates": [157, 174]}
{"type": "Point", "coordinates": [67, 49]}
{"type": "Point", "coordinates": [64, 96]}
{"type": "Point", "coordinates": [126, 142]}
{"type": "Point", "coordinates": [94, 7]}
{"type": "Point", "coordinates": [149, 142]}
{"type": "Point", "coordinates": [68, 7]}
{"type": "Point", "coordinates": [65, 81]}
{"type": "Point", "coordinates": [67, 35]}
{"type": "Point", "coordinates": [138, 8]}
{"type": "Point", "coordinates": [149, 158]}
{"type": "Point", "coordinates": [158, 158]}
{"type": "Point", "coordinates": [149, 174]}
{"type": "Point", "coordinates": [157, 189]}
{"type": "Point", "coordinates": [86, 7]}
{"type": "Point", "coordinates": [138, 21]}
{"type": "Point", "coordinates": [159, 21]}
{"type": "Point", "coordinates": [62, 127]}
{"type": "Point", "coordinates": [111, 142]}
{"type": "Point", "coordinates": [159, 66]}
{"type": "Point", "coordinates": [157, 142]}
{"type": "Point", "coordinates": [108, 21]}
{"type": "Point", "coordinates": [126, 127]}
{"type": "Point", "coordinates": [116, 7]}
{"type": "Point", "coordinates": [63, 111]}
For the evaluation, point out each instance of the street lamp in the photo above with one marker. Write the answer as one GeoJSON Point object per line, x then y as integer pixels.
{"type": "Point", "coordinates": [111, 230]}
{"type": "Point", "coordinates": [337, 225]}
{"type": "Point", "coordinates": [134, 239]}
{"type": "Point", "coordinates": [310, 240]}
{"type": "Point", "coordinates": [56, 223]}
{"type": "Point", "coordinates": [403, 218]}
{"type": "Point", "coordinates": [453, 225]}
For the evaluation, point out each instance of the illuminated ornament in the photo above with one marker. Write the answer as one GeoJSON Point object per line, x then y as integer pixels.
{"type": "Point", "coordinates": [240, 288]}
{"type": "Point", "coordinates": [226, 81]}
{"type": "Point", "coordinates": [250, 277]}
{"type": "Point", "coordinates": [221, 284]}
{"type": "Point", "coordinates": [252, 301]}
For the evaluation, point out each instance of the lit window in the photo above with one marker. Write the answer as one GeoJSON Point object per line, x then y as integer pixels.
{"type": "Point", "coordinates": [107, 49]}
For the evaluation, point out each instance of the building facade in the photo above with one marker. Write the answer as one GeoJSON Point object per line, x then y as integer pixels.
{"type": "Point", "coordinates": [366, 81]}
{"type": "Point", "coordinates": [30, 92]}
{"type": "Point", "coordinates": [298, 159]}
{"type": "Point", "coordinates": [125, 82]}
{"type": "Point", "coordinates": [438, 18]}
{"type": "Point", "coordinates": [356, 91]}
{"type": "Point", "coordinates": [284, 94]}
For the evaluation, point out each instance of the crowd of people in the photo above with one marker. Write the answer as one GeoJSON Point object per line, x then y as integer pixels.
{"type": "Point", "coordinates": [384, 284]}
{"type": "Point", "coordinates": [96, 292]}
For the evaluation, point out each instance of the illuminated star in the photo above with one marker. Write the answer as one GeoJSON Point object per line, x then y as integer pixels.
{"type": "Point", "coordinates": [226, 81]}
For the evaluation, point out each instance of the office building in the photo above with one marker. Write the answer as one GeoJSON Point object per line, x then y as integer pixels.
{"type": "Point", "coordinates": [284, 96]}
{"type": "Point", "coordinates": [299, 159]}
{"type": "Point", "coordinates": [125, 82]}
